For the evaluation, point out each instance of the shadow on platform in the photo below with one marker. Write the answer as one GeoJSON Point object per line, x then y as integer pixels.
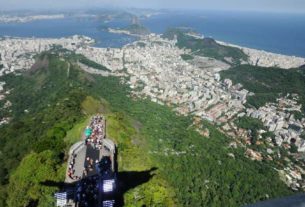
{"type": "Point", "coordinates": [127, 180]}
{"type": "Point", "coordinates": [60, 185]}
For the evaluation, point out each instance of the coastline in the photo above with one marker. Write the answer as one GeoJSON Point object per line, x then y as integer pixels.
{"type": "Point", "coordinates": [19, 19]}
{"type": "Point", "coordinates": [268, 59]}
{"type": "Point", "coordinates": [256, 56]}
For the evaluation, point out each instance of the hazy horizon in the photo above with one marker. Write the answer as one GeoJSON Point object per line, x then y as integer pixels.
{"type": "Point", "coordinates": [292, 6]}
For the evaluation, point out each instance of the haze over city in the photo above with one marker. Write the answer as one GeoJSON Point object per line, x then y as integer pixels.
{"type": "Point", "coordinates": [292, 6]}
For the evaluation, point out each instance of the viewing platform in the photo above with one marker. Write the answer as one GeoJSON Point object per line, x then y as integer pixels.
{"type": "Point", "coordinates": [91, 168]}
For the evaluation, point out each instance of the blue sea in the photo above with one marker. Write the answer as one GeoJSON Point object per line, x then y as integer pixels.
{"type": "Point", "coordinates": [279, 33]}
{"type": "Point", "coordinates": [57, 28]}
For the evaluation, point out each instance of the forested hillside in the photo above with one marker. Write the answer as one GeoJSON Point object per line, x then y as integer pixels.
{"type": "Point", "coordinates": [50, 107]}
{"type": "Point", "coordinates": [206, 47]}
{"type": "Point", "coordinates": [268, 83]}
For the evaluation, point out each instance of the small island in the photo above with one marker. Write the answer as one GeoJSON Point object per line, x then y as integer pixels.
{"type": "Point", "coordinates": [134, 29]}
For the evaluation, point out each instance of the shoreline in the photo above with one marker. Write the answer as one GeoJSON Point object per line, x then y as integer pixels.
{"type": "Point", "coordinates": [256, 57]}
{"type": "Point", "coordinates": [268, 59]}
{"type": "Point", "coordinates": [5, 19]}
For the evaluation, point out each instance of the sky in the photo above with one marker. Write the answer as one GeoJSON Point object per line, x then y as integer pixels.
{"type": "Point", "coordinates": [294, 6]}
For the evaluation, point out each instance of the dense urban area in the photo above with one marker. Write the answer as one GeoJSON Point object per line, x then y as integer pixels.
{"type": "Point", "coordinates": [261, 125]}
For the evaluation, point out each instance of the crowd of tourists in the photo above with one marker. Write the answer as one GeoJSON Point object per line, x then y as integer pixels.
{"type": "Point", "coordinates": [71, 169]}
{"type": "Point", "coordinates": [97, 175]}
{"type": "Point", "coordinates": [95, 132]}
{"type": "Point", "coordinates": [87, 191]}
{"type": "Point", "coordinates": [90, 165]}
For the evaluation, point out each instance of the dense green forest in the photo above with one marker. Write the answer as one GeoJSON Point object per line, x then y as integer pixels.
{"type": "Point", "coordinates": [268, 83]}
{"type": "Point", "coordinates": [50, 107]}
{"type": "Point", "coordinates": [92, 64]}
{"type": "Point", "coordinates": [206, 47]}
{"type": "Point", "coordinates": [45, 106]}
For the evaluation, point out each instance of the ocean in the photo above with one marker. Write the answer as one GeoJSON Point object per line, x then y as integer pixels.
{"type": "Point", "coordinates": [278, 33]}
{"type": "Point", "coordinates": [57, 28]}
